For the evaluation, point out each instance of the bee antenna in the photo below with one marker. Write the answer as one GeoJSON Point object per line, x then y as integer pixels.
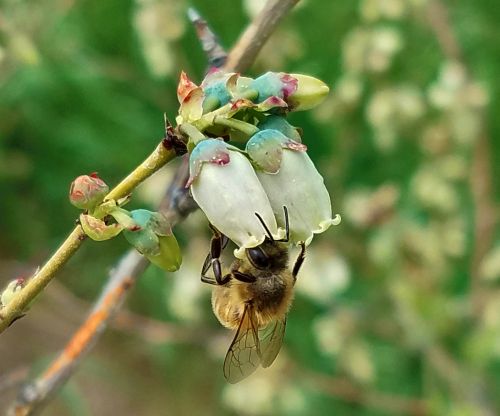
{"type": "Point", "coordinates": [265, 226]}
{"type": "Point", "coordinates": [287, 224]}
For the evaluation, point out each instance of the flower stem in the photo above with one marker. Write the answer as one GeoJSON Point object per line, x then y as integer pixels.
{"type": "Point", "coordinates": [192, 132]}
{"type": "Point", "coordinates": [247, 128]}
{"type": "Point", "coordinates": [163, 154]}
{"type": "Point", "coordinates": [18, 305]}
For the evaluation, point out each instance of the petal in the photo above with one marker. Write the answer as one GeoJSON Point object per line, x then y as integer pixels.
{"type": "Point", "coordinates": [184, 87]}
{"type": "Point", "coordinates": [241, 87]}
{"type": "Point", "coordinates": [300, 188]}
{"type": "Point", "coordinates": [192, 105]}
{"type": "Point", "coordinates": [271, 103]}
{"type": "Point", "coordinates": [230, 195]}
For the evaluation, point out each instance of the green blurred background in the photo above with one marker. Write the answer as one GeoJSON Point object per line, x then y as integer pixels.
{"type": "Point", "coordinates": [397, 310]}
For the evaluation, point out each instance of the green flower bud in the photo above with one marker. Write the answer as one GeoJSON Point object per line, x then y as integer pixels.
{"type": "Point", "coordinates": [87, 191]}
{"type": "Point", "coordinates": [169, 258]}
{"type": "Point", "coordinates": [152, 237]}
{"type": "Point", "coordinates": [215, 88]}
{"type": "Point", "coordinates": [309, 93]}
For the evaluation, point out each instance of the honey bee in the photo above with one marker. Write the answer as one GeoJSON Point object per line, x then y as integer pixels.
{"type": "Point", "coordinates": [254, 299]}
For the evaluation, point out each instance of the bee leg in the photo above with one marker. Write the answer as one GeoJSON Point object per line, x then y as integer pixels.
{"type": "Point", "coordinates": [217, 244]}
{"type": "Point", "coordinates": [299, 261]}
{"type": "Point", "coordinates": [219, 279]}
{"type": "Point", "coordinates": [219, 236]}
{"type": "Point", "coordinates": [208, 279]}
{"type": "Point", "coordinates": [242, 277]}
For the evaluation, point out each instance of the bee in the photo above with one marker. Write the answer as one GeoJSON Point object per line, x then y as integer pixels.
{"type": "Point", "coordinates": [253, 298]}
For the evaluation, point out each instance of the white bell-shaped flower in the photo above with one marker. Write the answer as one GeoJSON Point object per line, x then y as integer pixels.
{"type": "Point", "coordinates": [225, 186]}
{"type": "Point", "coordinates": [290, 179]}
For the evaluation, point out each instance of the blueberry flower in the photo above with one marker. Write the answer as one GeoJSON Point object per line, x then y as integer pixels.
{"type": "Point", "coordinates": [290, 179]}
{"type": "Point", "coordinates": [225, 186]}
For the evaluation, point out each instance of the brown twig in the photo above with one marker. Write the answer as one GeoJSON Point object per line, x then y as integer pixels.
{"type": "Point", "coordinates": [216, 55]}
{"type": "Point", "coordinates": [34, 395]}
{"type": "Point", "coordinates": [438, 18]}
{"type": "Point", "coordinates": [257, 33]}
{"type": "Point", "coordinates": [177, 204]}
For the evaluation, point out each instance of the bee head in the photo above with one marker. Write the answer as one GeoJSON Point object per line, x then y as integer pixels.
{"type": "Point", "coordinates": [271, 254]}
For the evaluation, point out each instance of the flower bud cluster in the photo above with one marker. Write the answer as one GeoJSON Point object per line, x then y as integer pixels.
{"type": "Point", "coordinates": [149, 232]}
{"type": "Point", "coordinates": [250, 191]}
{"type": "Point", "coordinates": [225, 94]}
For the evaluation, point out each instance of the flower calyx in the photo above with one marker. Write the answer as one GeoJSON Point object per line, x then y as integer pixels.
{"type": "Point", "coordinates": [265, 148]}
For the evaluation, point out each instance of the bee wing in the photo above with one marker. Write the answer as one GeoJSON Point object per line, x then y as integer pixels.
{"type": "Point", "coordinates": [271, 339]}
{"type": "Point", "coordinates": [243, 356]}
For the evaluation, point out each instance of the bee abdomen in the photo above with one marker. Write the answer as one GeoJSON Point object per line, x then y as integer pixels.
{"type": "Point", "coordinates": [227, 311]}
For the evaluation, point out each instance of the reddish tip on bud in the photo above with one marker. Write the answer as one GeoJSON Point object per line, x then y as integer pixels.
{"type": "Point", "coordinates": [184, 87]}
{"type": "Point", "coordinates": [87, 191]}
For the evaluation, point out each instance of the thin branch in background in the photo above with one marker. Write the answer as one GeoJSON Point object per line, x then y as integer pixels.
{"type": "Point", "coordinates": [176, 205]}
{"type": "Point", "coordinates": [438, 18]}
{"type": "Point", "coordinates": [485, 219]}
{"type": "Point", "coordinates": [481, 177]}
{"type": "Point", "coordinates": [216, 55]}
{"type": "Point", "coordinates": [34, 395]}
{"type": "Point", "coordinates": [257, 33]}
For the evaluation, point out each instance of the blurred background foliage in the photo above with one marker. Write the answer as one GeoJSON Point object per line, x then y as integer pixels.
{"type": "Point", "coordinates": [397, 310]}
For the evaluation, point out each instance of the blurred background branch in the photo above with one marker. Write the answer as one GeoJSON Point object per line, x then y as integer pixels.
{"type": "Point", "coordinates": [481, 176]}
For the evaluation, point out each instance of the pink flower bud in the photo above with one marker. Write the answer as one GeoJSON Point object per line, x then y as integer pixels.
{"type": "Point", "coordinates": [87, 191]}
